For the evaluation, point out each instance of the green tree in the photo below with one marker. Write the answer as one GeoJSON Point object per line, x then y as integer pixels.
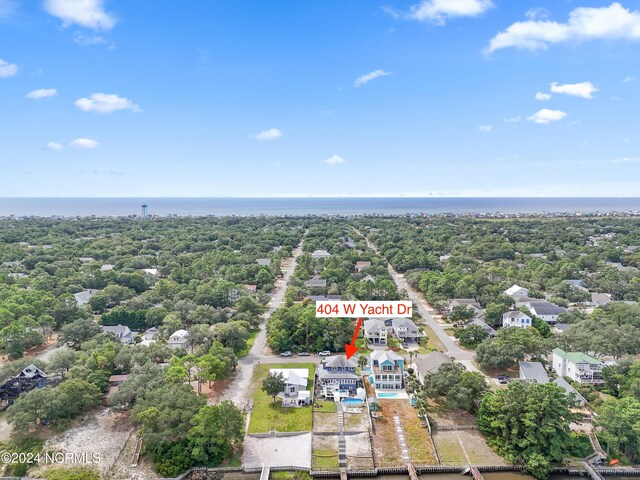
{"type": "Point", "coordinates": [471, 336]}
{"type": "Point", "coordinates": [509, 346]}
{"type": "Point", "coordinates": [461, 313]}
{"type": "Point", "coordinates": [215, 430]}
{"type": "Point", "coordinates": [620, 423]}
{"type": "Point", "coordinates": [528, 424]}
{"type": "Point", "coordinates": [273, 384]}
{"type": "Point", "coordinates": [78, 331]}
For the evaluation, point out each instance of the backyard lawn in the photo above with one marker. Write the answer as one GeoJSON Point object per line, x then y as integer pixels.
{"type": "Point", "coordinates": [267, 415]}
{"type": "Point", "coordinates": [433, 342]}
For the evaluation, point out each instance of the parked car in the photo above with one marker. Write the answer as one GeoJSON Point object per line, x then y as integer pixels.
{"type": "Point", "coordinates": [324, 353]}
{"type": "Point", "coordinates": [286, 354]}
{"type": "Point", "coordinates": [304, 354]}
{"type": "Point", "coordinates": [503, 379]}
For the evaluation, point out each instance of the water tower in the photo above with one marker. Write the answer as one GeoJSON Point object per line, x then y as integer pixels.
{"type": "Point", "coordinates": [144, 211]}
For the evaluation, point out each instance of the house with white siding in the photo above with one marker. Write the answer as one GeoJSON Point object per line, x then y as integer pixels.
{"type": "Point", "coordinates": [577, 366]}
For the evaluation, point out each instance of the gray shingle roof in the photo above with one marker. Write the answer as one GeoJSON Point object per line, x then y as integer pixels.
{"type": "Point", "coordinates": [533, 371]}
{"type": "Point", "coordinates": [431, 362]}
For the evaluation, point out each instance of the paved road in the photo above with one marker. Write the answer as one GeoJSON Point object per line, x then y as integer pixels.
{"type": "Point", "coordinates": [452, 348]}
{"type": "Point", "coordinates": [237, 391]}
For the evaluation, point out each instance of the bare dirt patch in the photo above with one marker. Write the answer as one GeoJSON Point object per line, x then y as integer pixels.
{"type": "Point", "coordinates": [356, 422]}
{"type": "Point", "coordinates": [416, 434]}
{"type": "Point", "coordinates": [359, 454]}
{"type": "Point", "coordinates": [386, 448]}
{"type": "Point", "coordinates": [325, 422]}
{"type": "Point", "coordinates": [105, 435]}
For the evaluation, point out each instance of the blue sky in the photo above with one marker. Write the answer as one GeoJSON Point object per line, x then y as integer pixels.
{"type": "Point", "coordinates": [322, 98]}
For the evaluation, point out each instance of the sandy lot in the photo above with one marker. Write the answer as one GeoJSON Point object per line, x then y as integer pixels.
{"type": "Point", "coordinates": [104, 434]}
{"type": "Point", "coordinates": [356, 422]}
{"type": "Point", "coordinates": [359, 455]}
{"type": "Point", "coordinates": [325, 422]}
{"type": "Point", "coordinates": [295, 450]}
{"type": "Point", "coordinates": [465, 446]}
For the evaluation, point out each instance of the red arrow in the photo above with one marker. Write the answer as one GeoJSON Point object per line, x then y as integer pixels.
{"type": "Point", "coordinates": [352, 349]}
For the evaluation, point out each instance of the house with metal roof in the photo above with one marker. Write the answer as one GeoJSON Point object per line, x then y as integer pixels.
{"type": "Point", "coordinates": [547, 311]}
{"type": "Point", "coordinates": [577, 366]}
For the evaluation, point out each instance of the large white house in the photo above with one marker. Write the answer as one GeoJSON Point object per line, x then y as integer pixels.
{"type": "Point", "coordinates": [295, 386]}
{"type": "Point", "coordinates": [387, 370]}
{"type": "Point", "coordinates": [375, 331]}
{"type": "Point", "coordinates": [516, 318]}
{"type": "Point", "coordinates": [517, 291]}
{"type": "Point", "coordinates": [577, 366]}
{"type": "Point", "coordinates": [405, 329]}
{"type": "Point", "coordinates": [179, 339]}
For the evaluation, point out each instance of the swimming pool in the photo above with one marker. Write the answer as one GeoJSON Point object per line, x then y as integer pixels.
{"type": "Point", "coordinates": [353, 401]}
{"type": "Point", "coordinates": [386, 395]}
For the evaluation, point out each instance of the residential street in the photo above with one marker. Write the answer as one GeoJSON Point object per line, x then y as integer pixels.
{"type": "Point", "coordinates": [238, 389]}
{"type": "Point", "coordinates": [453, 349]}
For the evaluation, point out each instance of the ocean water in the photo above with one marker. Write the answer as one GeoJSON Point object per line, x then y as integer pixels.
{"type": "Point", "coordinates": [309, 206]}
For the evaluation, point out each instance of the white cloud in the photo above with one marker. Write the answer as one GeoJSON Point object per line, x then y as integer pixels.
{"type": "Point", "coordinates": [105, 103]}
{"type": "Point", "coordinates": [628, 79]}
{"type": "Point", "coordinates": [54, 146]}
{"type": "Point", "coordinates": [584, 89]}
{"type": "Point", "coordinates": [584, 23]}
{"type": "Point", "coordinates": [42, 93]}
{"type": "Point", "coordinates": [86, 13]}
{"type": "Point", "coordinates": [369, 76]}
{"type": "Point", "coordinates": [626, 160]}
{"type": "Point", "coordinates": [84, 143]}
{"type": "Point", "coordinates": [485, 128]}
{"type": "Point", "coordinates": [270, 134]}
{"type": "Point", "coordinates": [537, 13]}
{"type": "Point", "coordinates": [7, 69]}
{"type": "Point", "coordinates": [8, 8]}
{"type": "Point", "coordinates": [334, 160]}
{"type": "Point", "coordinates": [90, 40]}
{"type": "Point", "coordinates": [512, 119]}
{"type": "Point", "coordinates": [547, 116]}
{"type": "Point", "coordinates": [543, 96]}
{"type": "Point", "coordinates": [437, 11]}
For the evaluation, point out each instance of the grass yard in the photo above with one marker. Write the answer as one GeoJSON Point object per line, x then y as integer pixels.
{"type": "Point", "coordinates": [362, 347]}
{"type": "Point", "coordinates": [326, 406]}
{"type": "Point", "coordinates": [449, 448]}
{"type": "Point", "coordinates": [250, 341]}
{"type": "Point", "coordinates": [325, 452]}
{"type": "Point", "coordinates": [433, 342]}
{"type": "Point", "coordinates": [268, 415]}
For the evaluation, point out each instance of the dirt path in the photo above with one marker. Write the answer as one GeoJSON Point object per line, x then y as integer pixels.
{"type": "Point", "coordinates": [237, 388]}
